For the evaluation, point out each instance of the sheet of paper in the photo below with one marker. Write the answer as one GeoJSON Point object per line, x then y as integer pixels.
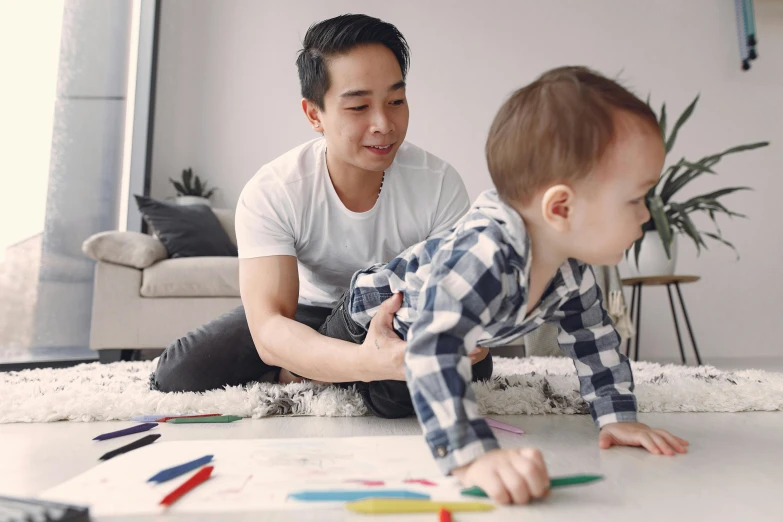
{"type": "Point", "coordinates": [257, 474]}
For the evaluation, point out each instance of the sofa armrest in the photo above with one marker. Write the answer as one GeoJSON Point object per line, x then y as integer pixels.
{"type": "Point", "coordinates": [131, 249]}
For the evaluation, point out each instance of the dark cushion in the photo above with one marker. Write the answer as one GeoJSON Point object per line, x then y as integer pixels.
{"type": "Point", "coordinates": [186, 230]}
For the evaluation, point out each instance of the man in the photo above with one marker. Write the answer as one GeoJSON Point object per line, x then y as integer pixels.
{"type": "Point", "coordinates": [308, 220]}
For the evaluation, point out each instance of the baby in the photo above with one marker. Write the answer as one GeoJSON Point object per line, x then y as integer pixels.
{"type": "Point", "coordinates": [571, 156]}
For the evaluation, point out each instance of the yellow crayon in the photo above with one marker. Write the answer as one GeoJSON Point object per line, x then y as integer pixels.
{"type": "Point", "coordinates": [390, 505]}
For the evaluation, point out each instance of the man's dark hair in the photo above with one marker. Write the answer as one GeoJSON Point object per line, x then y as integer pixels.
{"type": "Point", "coordinates": [337, 36]}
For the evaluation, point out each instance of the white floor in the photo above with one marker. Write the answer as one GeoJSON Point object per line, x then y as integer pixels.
{"type": "Point", "coordinates": [733, 471]}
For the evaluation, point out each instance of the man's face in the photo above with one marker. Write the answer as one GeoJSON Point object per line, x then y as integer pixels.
{"type": "Point", "coordinates": [365, 116]}
{"type": "Point", "coordinates": [612, 209]}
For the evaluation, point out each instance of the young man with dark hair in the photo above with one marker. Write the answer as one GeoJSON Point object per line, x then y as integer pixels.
{"type": "Point", "coordinates": [309, 219]}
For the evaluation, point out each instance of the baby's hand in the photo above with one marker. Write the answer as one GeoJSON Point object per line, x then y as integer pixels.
{"type": "Point", "coordinates": [638, 434]}
{"type": "Point", "coordinates": [508, 475]}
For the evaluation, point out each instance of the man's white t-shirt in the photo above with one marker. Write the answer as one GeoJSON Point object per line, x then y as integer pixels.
{"type": "Point", "coordinates": [290, 208]}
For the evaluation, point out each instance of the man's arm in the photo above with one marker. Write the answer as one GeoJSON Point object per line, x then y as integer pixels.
{"type": "Point", "coordinates": [270, 292]}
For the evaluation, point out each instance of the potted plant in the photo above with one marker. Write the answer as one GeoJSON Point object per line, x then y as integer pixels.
{"type": "Point", "coordinates": [191, 190]}
{"type": "Point", "coordinates": [656, 252]}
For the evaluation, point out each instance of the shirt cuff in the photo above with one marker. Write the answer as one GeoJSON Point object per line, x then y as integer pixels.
{"type": "Point", "coordinates": [613, 408]}
{"type": "Point", "coordinates": [460, 444]}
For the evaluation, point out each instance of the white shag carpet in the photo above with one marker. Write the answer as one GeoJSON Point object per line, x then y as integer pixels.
{"type": "Point", "coordinates": [533, 385]}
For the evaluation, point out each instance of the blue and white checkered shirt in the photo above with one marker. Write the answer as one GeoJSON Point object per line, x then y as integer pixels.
{"type": "Point", "coordinates": [467, 288]}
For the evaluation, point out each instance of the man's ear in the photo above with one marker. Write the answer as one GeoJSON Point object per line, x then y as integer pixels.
{"type": "Point", "coordinates": [557, 207]}
{"type": "Point", "coordinates": [313, 114]}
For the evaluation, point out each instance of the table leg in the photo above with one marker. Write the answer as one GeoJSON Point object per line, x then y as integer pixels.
{"type": "Point", "coordinates": [688, 323]}
{"type": "Point", "coordinates": [676, 322]}
{"type": "Point", "coordinates": [638, 321]}
{"type": "Point", "coordinates": [633, 306]}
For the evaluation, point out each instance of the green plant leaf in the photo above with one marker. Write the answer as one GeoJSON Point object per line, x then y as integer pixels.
{"type": "Point", "coordinates": [711, 213]}
{"type": "Point", "coordinates": [701, 168]}
{"type": "Point", "coordinates": [716, 206]}
{"type": "Point", "coordinates": [680, 122]}
{"type": "Point", "coordinates": [662, 225]}
{"type": "Point", "coordinates": [694, 235]}
{"type": "Point", "coordinates": [719, 207]}
{"type": "Point", "coordinates": [669, 173]}
{"type": "Point", "coordinates": [720, 238]}
{"type": "Point", "coordinates": [187, 175]}
{"type": "Point", "coordinates": [709, 161]}
{"type": "Point", "coordinates": [689, 227]}
{"type": "Point", "coordinates": [197, 188]}
{"type": "Point", "coordinates": [693, 171]}
{"type": "Point", "coordinates": [178, 187]}
{"type": "Point", "coordinates": [210, 193]}
{"type": "Point", "coordinates": [711, 197]}
{"type": "Point", "coordinates": [662, 122]}
{"type": "Point", "coordinates": [741, 148]}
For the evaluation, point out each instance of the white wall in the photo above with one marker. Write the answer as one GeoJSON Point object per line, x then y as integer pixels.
{"type": "Point", "coordinates": [228, 101]}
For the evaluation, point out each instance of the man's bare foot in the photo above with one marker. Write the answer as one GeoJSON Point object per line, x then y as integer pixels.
{"type": "Point", "coordinates": [286, 377]}
{"type": "Point", "coordinates": [478, 355]}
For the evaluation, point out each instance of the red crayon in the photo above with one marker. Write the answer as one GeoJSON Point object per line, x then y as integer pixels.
{"type": "Point", "coordinates": [164, 419]}
{"type": "Point", "coordinates": [201, 476]}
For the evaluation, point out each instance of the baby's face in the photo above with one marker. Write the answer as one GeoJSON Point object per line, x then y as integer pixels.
{"type": "Point", "coordinates": [610, 209]}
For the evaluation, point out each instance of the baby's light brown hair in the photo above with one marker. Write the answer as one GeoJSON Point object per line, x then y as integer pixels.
{"type": "Point", "coordinates": [556, 130]}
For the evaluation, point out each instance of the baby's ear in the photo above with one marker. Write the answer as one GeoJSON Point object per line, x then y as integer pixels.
{"type": "Point", "coordinates": [557, 207]}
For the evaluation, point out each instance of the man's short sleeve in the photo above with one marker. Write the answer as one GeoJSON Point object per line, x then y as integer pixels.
{"type": "Point", "coordinates": [265, 219]}
{"type": "Point", "coordinates": [453, 202]}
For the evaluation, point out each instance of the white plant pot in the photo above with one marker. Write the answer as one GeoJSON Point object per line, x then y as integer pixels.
{"type": "Point", "coordinates": [192, 200]}
{"type": "Point", "coordinates": [652, 257]}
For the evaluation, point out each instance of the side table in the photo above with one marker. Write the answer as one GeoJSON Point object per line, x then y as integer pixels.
{"type": "Point", "coordinates": [636, 306]}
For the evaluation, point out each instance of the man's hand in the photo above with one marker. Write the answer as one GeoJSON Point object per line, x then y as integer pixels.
{"type": "Point", "coordinates": [637, 434]}
{"type": "Point", "coordinates": [385, 351]}
{"type": "Point", "coordinates": [508, 476]}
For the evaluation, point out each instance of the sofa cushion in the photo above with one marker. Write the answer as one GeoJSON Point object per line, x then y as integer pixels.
{"type": "Point", "coordinates": [226, 218]}
{"type": "Point", "coordinates": [125, 248]}
{"type": "Point", "coordinates": [192, 277]}
{"type": "Point", "coordinates": [186, 231]}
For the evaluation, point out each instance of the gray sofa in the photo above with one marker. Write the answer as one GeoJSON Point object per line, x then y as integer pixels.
{"type": "Point", "coordinates": [143, 300]}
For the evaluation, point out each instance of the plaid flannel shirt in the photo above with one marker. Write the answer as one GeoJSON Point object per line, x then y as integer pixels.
{"type": "Point", "coordinates": [468, 287]}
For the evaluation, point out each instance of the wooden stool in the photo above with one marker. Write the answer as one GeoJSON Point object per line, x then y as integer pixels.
{"type": "Point", "coordinates": [636, 305]}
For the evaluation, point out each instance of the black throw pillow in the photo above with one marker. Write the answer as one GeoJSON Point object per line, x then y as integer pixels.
{"type": "Point", "coordinates": [186, 230]}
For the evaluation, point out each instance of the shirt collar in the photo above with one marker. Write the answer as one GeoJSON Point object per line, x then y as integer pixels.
{"type": "Point", "coordinates": [516, 236]}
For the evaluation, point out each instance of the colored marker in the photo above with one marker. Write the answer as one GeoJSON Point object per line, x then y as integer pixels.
{"type": "Point", "coordinates": [444, 515]}
{"type": "Point", "coordinates": [144, 441]}
{"type": "Point", "coordinates": [572, 480]}
{"type": "Point", "coordinates": [351, 495]}
{"type": "Point", "coordinates": [152, 418]}
{"type": "Point", "coordinates": [201, 476]}
{"type": "Point", "coordinates": [201, 420]}
{"type": "Point", "coordinates": [423, 482]}
{"type": "Point", "coordinates": [503, 426]}
{"type": "Point", "coordinates": [388, 505]}
{"type": "Point", "coordinates": [176, 471]}
{"type": "Point", "coordinates": [139, 428]}
{"type": "Point", "coordinates": [166, 419]}
{"type": "Point", "coordinates": [371, 483]}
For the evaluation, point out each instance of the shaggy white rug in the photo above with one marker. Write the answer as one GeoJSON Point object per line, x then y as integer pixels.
{"type": "Point", "coordinates": [119, 391]}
